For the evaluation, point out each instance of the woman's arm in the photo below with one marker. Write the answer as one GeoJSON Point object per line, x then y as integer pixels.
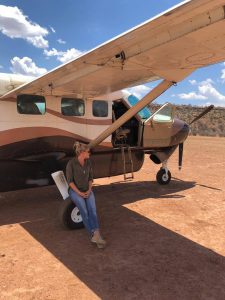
{"type": "Point", "coordinates": [90, 186]}
{"type": "Point", "coordinates": [69, 176]}
{"type": "Point", "coordinates": [75, 189]}
{"type": "Point", "coordinates": [90, 178]}
{"type": "Point", "coordinates": [89, 189]}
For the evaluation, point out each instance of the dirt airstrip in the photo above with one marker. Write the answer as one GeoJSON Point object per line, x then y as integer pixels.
{"type": "Point", "coordinates": [164, 242]}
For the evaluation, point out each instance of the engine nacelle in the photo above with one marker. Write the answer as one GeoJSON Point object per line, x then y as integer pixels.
{"type": "Point", "coordinates": [9, 82]}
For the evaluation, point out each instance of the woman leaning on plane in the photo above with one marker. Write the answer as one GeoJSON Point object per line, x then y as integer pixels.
{"type": "Point", "coordinates": [80, 178]}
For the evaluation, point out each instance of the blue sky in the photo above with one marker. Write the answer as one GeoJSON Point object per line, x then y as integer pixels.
{"type": "Point", "coordinates": [36, 36]}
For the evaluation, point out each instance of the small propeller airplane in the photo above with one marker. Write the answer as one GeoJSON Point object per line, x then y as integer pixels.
{"type": "Point", "coordinates": [41, 118]}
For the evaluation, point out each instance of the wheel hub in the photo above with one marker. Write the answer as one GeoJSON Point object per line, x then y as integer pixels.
{"type": "Point", "coordinates": [76, 216]}
{"type": "Point", "coordinates": [165, 177]}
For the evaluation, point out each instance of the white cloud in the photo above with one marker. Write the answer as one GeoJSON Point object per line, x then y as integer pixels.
{"type": "Point", "coordinates": [38, 41]}
{"type": "Point", "coordinates": [139, 91]}
{"type": "Point", "coordinates": [208, 80]}
{"type": "Point", "coordinates": [193, 82]}
{"type": "Point", "coordinates": [64, 56]}
{"type": "Point", "coordinates": [192, 95]}
{"type": "Point", "coordinates": [206, 91]}
{"type": "Point", "coordinates": [53, 52]}
{"type": "Point", "coordinates": [25, 66]}
{"type": "Point", "coordinates": [52, 29]}
{"type": "Point", "coordinates": [69, 55]}
{"type": "Point", "coordinates": [60, 41]}
{"type": "Point", "coordinates": [223, 76]}
{"type": "Point", "coordinates": [14, 24]}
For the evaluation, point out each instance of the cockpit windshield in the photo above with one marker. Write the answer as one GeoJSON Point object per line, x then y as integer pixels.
{"type": "Point", "coordinates": [145, 113]}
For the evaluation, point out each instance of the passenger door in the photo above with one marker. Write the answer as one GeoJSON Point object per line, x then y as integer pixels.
{"type": "Point", "coordinates": [158, 128]}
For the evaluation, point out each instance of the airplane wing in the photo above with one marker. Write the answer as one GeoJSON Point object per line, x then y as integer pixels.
{"type": "Point", "coordinates": [169, 46]}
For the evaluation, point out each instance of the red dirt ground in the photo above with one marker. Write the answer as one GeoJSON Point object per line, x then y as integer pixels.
{"type": "Point", "coordinates": [164, 242]}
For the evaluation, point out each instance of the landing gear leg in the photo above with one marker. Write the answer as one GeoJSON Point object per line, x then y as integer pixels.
{"type": "Point", "coordinates": [163, 176]}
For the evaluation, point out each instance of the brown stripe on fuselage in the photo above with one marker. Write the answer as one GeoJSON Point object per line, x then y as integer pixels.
{"type": "Point", "coordinates": [79, 120]}
{"type": "Point", "coordinates": [27, 133]}
{"type": "Point", "coordinates": [8, 100]}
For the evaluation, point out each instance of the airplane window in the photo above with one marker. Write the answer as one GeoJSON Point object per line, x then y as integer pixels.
{"type": "Point", "coordinates": [72, 107]}
{"type": "Point", "coordinates": [31, 105]}
{"type": "Point", "coordinates": [164, 114]}
{"type": "Point", "coordinates": [100, 108]}
{"type": "Point", "coordinates": [145, 112]}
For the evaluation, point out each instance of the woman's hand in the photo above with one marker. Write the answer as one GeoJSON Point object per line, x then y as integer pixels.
{"type": "Point", "coordinates": [82, 194]}
{"type": "Point", "coordinates": [87, 193]}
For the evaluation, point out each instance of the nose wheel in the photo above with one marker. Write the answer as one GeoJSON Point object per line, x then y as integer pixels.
{"type": "Point", "coordinates": [163, 176]}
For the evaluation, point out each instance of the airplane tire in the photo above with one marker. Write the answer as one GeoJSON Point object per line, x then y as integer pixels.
{"type": "Point", "coordinates": [69, 215]}
{"type": "Point", "coordinates": [162, 178]}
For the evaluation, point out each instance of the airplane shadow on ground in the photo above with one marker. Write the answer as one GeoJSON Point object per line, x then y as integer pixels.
{"type": "Point", "coordinates": [142, 260]}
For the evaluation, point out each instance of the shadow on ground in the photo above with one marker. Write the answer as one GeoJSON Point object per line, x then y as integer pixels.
{"type": "Point", "coordinates": [143, 259]}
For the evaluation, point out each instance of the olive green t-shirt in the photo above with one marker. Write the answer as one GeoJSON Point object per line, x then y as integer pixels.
{"type": "Point", "coordinates": [79, 175]}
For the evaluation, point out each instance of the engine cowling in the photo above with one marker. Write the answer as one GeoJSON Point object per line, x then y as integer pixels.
{"type": "Point", "coordinates": [9, 82]}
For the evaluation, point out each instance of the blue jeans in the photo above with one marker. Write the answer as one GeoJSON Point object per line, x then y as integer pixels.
{"type": "Point", "coordinates": [87, 210]}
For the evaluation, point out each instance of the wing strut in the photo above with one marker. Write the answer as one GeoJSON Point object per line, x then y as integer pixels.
{"type": "Point", "coordinates": [152, 95]}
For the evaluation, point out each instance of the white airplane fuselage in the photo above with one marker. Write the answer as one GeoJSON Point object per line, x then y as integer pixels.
{"type": "Point", "coordinates": [32, 146]}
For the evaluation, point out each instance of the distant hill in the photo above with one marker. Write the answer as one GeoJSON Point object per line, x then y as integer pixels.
{"type": "Point", "coordinates": [212, 124]}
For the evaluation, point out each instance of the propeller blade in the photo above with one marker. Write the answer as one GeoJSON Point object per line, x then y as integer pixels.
{"type": "Point", "coordinates": [181, 148]}
{"type": "Point", "coordinates": [207, 110]}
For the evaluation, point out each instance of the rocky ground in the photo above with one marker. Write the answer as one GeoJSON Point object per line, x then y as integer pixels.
{"type": "Point", "coordinates": [164, 242]}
